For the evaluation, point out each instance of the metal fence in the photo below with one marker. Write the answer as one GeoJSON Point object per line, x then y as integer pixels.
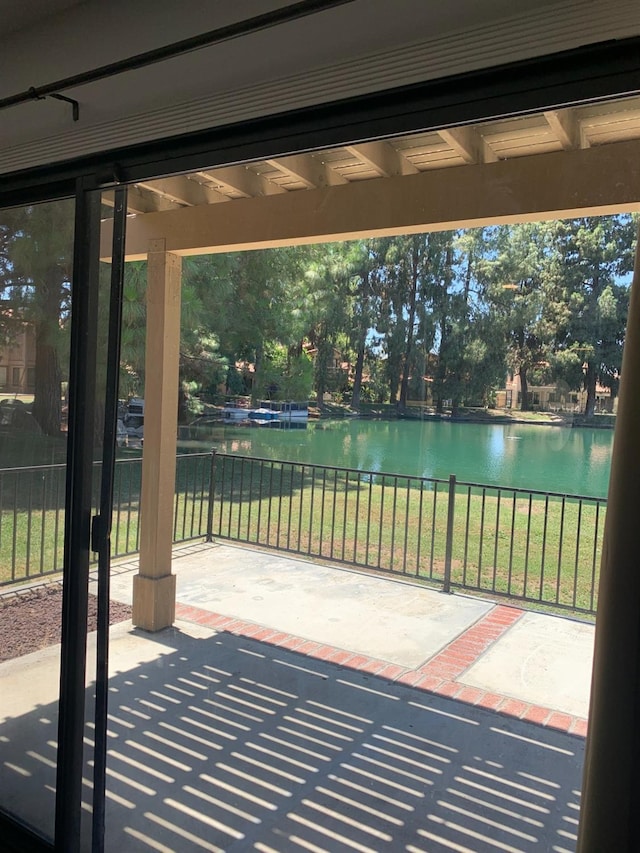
{"type": "Point", "coordinates": [32, 512]}
{"type": "Point", "coordinates": [534, 546]}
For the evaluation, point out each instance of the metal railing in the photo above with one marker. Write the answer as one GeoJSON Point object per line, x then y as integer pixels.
{"type": "Point", "coordinates": [535, 546]}
{"type": "Point", "coordinates": [32, 512]}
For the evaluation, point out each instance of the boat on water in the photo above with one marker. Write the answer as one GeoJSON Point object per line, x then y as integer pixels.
{"type": "Point", "coordinates": [266, 410]}
{"type": "Point", "coordinates": [236, 411]}
{"type": "Point", "coordinates": [233, 413]}
{"type": "Point", "coordinates": [272, 410]}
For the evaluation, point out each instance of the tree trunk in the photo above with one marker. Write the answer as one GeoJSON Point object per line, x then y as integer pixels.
{"type": "Point", "coordinates": [362, 340]}
{"type": "Point", "coordinates": [257, 373]}
{"type": "Point", "coordinates": [393, 389]}
{"type": "Point", "coordinates": [406, 368]}
{"type": "Point", "coordinates": [182, 404]}
{"type": "Point", "coordinates": [467, 277]}
{"type": "Point", "coordinates": [324, 351]}
{"type": "Point", "coordinates": [441, 369]}
{"type": "Point", "coordinates": [47, 407]}
{"type": "Point", "coordinates": [524, 390]}
{"type": "Point", "coordinates": [357, 379]}
{"type": "Point", "coordinates": [320, 388]}
{"type": "Point", "coordinates": [590, 386]}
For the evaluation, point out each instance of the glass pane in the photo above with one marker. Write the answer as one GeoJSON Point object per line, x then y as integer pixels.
{"type": "Point", "coordinates": [36, 256]}
{"type": "Point", "coordinates": [385, 391]}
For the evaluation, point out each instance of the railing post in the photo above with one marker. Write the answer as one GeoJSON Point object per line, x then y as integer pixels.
{"type": "Point", "coordinates": [212, 474]}
{"type": "Point", "coordinates": [446, 586]}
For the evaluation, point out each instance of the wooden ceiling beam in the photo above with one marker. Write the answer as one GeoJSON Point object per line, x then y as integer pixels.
{"type": "Point", "coordinates": [585, 142]}
{"type": "Point", "coordinates": [566, 128]}
{"type": "Point", "coordinates": [313, 173]}
{"type": "Point", "coordinates": [139, 201]}
{"type": "Point", "coordinates": [242, 180]}
{"type": "Point", "coordinates": [183, 191]}
{"type": "Point", "coordinates": [488, 154]}
{"type": "Point", "coordinates": [383, 158]}
{"type": "Point", "coordinates": [470, 145]}
{"type": "Point", "coordinates": [464, 141]}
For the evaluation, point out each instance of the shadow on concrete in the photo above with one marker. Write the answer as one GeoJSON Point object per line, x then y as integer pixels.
{"type": "Point", "coordinates": [222, 743]}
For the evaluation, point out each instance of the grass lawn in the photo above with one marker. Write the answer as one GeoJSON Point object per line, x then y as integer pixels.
{"type": "Point", "coordinates": [545, 550]}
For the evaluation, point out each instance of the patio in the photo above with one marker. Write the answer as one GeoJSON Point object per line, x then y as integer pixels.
{"type": "Point", "coordinates": [297, 706]}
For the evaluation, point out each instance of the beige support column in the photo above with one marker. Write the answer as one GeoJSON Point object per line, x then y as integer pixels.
{"type": "Point", "coordinates": [154, 588]}
{"type": "Point", "coordinates": [610, 813]}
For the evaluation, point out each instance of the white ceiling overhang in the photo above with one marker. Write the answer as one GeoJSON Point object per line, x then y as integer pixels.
{"type": "Point", "coordinates": [362, 47]}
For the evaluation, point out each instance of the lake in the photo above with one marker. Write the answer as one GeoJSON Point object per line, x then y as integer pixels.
{"type": "Point", "coordinates": [555, 459]}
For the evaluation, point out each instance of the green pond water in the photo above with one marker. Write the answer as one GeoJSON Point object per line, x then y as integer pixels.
{"type": "Point", "coordinates": [555, 459]}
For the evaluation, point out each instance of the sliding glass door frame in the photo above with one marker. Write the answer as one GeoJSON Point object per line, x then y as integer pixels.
{"type": "Point", "coordinates": [84, 324]}
{"type": "Point", "coordinates": [601, 71]}
{"type": "Point", "coordinates": [84, 532]}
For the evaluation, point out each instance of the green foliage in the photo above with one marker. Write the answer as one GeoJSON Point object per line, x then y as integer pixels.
{"type": "Point", "coordinates": [392, 318]}
{"type": "Point", "coordinates": [36, 255]}
{"type": "Point", "coordinates": [590, 254]}
{"type": "Point", "coordinates": [386, 319]}
{"type": "Point", "coordinates": [285, 375]}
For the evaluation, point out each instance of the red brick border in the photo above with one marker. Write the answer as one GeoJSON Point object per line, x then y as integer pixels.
{"type": "Point", "coordinates": [465, 650]}
{"type": "Point", "coordinates": [439, 675]}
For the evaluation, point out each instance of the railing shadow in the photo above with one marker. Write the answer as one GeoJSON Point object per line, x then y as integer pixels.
{"type": "Point", "coordinates": [223, 743]}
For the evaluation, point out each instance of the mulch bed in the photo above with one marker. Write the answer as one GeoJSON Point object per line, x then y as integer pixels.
{"type": "Point", "coordinates": [30, 620]}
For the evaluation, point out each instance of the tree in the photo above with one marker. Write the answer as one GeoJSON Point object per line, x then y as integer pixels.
{"type": "Point", "coordinates": [446, 312]}
{"type": "Point", "coordinates": [35, 286]}
{"type": "Point", "coordinates": [251, 300]}
{"type": "Point", "coordinates": [201, 365]}
{"type": "Point", "coordinates": [133, 332]}
{"type": "Point", "coordinates": [365, 280]}
{"type": "Point", "coordinates": [326, 307]}
{"type": "Point", "coordinates": [515, 277]}
{"type": "Point", "coordinates": [411, 260]}
{"type": "Point", "coordinates": [591, 253]}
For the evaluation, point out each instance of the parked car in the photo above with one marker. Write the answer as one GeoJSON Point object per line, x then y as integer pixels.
{"type": "Point", "coordinates": [15, 416]}
{"type": "Point", "coordinates": [133, 420]}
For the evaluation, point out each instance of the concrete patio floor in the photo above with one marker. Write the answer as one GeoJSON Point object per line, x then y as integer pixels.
{"type": "Point", "coordinates": [537, 665]}
{"type": "Point", "coordinates": [217, 742]}
{"type": "Point", "coordinates": [296, 707]}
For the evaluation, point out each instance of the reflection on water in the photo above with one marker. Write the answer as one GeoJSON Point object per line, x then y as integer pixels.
{"type": "Point", "coordinates": [499, 448]}
{"type": "Point", "coordinates": [572, 461]}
